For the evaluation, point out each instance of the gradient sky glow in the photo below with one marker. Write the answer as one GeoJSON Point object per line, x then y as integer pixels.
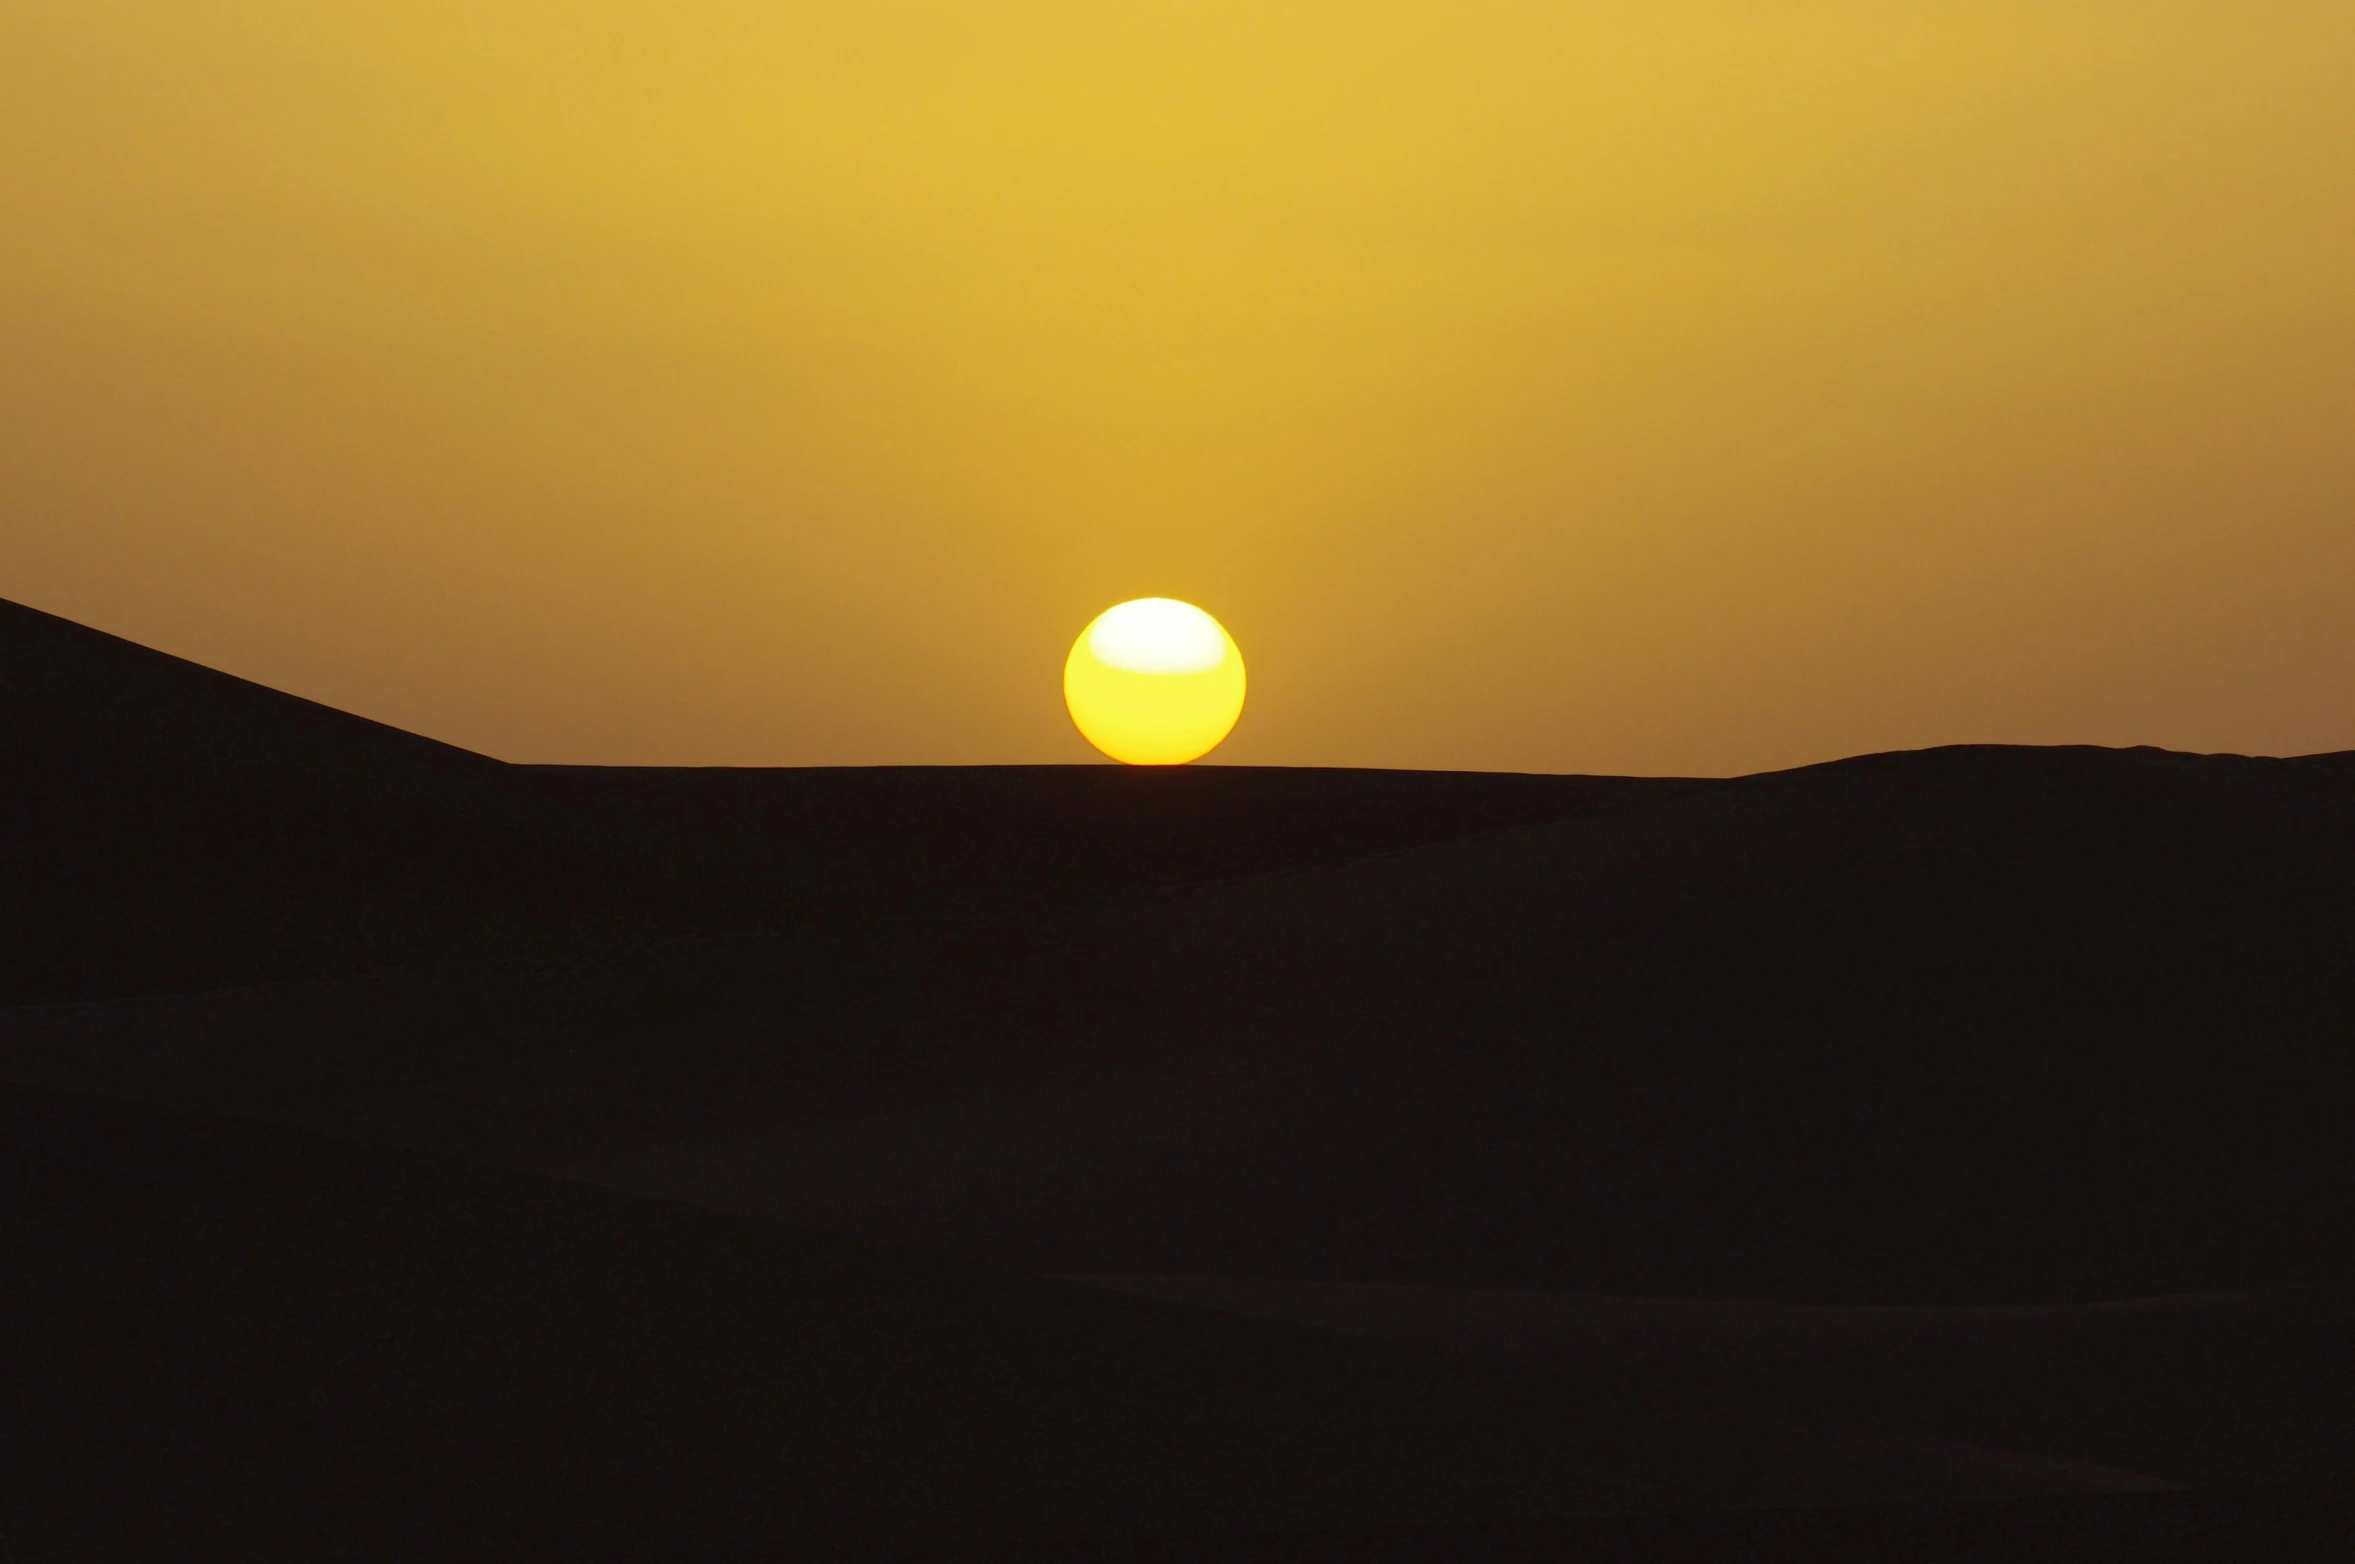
{"type": "Point", "coordinates": [1653, 386]}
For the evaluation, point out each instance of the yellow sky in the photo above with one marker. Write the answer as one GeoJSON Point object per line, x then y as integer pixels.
{"type": "Point", "coordinates": [1643, 386]}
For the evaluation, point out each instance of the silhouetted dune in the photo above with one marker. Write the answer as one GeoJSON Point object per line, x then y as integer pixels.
{"type": "Point", "coordinates": [1979, 1026]}
{"type": "Point", "coordinates": [171, 828]}
{"type": "Point", "coordinates": [1966, 1025]}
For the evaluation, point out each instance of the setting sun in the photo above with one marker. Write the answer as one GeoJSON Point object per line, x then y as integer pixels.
{"type": "Point", "coordinates": [1154, 682]}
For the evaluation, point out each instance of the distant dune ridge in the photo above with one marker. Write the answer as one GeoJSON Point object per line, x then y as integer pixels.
{"type": "Point", "coordinates": [1922, 1060]}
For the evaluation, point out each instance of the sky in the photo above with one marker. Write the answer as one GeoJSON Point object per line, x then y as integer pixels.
{"type": "Point", "coordinates": [1551, 385]}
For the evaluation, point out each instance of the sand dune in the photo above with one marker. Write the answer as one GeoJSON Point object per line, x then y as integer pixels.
{"type": "Point", "coordinates": [1910, 1067]}
{"type": "Point", "coordinates": [1962, 1026]}
{"type": "Point", "coordinates": [172, 828]}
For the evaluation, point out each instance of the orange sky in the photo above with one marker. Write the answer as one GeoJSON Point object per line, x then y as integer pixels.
{"type": "Point", "coordinates": [1650, 386]}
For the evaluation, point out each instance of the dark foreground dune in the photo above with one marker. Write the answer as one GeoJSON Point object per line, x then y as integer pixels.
{"type": "Point", "coordinates": [1516, 1165]}
{"type": "Point", "coordinates": [1976, 1026]}
{"type": "Point", "coordinates": [230, 1334]}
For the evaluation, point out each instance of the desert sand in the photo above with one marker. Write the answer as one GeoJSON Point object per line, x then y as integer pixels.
{"type": "Point", "coordinates": [1925, 1155]}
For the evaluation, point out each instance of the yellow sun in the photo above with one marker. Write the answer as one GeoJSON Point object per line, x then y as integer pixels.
{"type": "Point", "coordinates": [1154, 682]}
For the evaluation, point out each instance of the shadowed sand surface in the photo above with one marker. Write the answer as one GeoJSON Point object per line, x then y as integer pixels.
{"type": "Point", "coordinates": [223, 1330]}
{"type": "Point", "coordinates": [2210, 1389]}
{"type": "Point", "coordinates": [622, 1150]}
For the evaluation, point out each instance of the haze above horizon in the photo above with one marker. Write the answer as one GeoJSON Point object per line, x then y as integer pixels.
{"type": "Point", "coordinates": [1665, 388]}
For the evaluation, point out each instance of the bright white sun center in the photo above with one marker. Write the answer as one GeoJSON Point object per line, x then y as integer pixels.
{"type": "Point", "coordinates": [1158, 635]}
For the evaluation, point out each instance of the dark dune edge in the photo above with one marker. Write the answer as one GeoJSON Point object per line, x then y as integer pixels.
{"type": "Point", "coordinates": [224, 1335]}
{"type": "Point", "coordinates": [173, 828]}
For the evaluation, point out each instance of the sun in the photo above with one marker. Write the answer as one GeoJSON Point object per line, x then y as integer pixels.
{"type": "Point", "coordinates": [1154, 682]}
